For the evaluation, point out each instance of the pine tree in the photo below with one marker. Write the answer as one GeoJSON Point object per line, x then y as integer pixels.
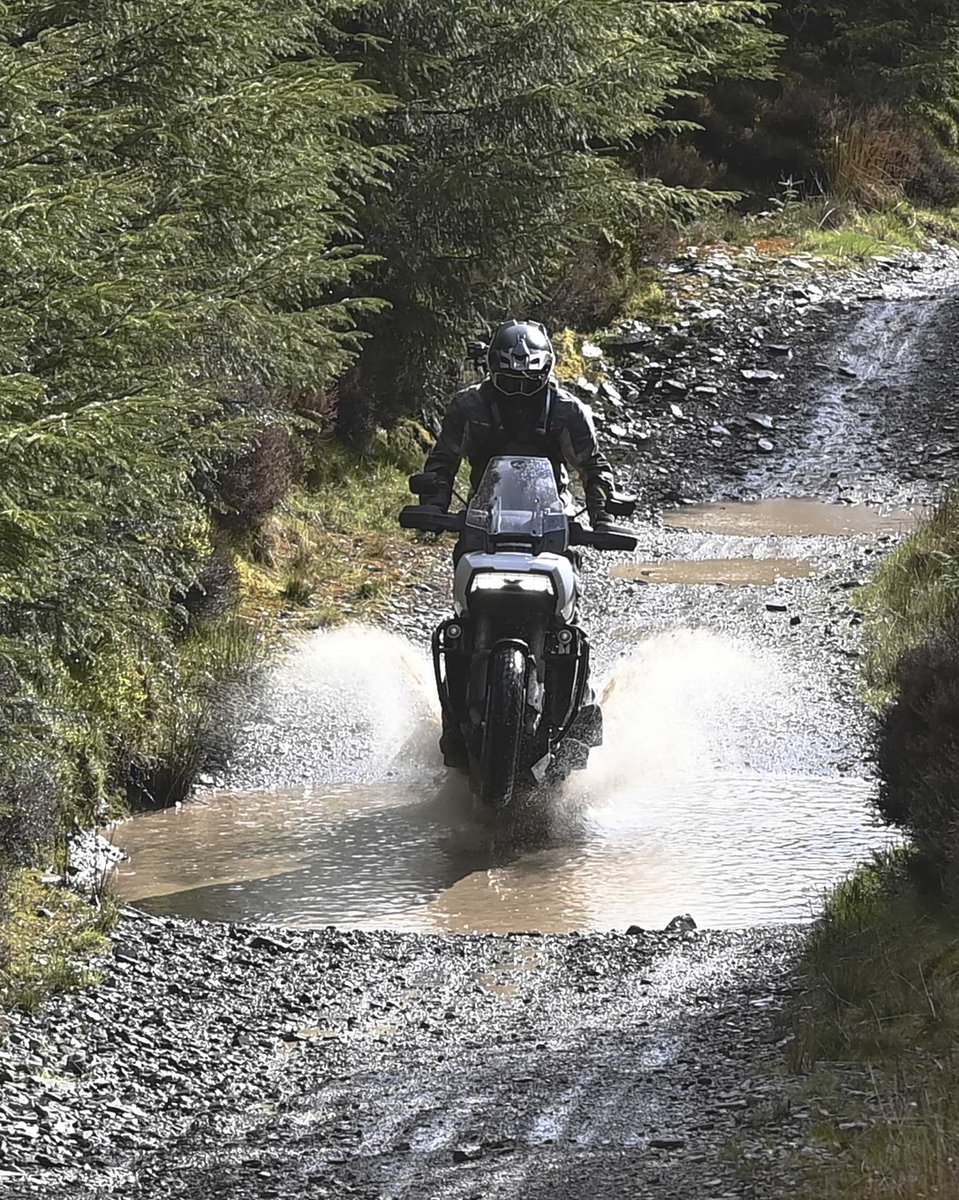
{"type": "Point", "coordinates": [902, 53]}
{"type": "Point", "coordinates": [175, 244]}
{"type": "Point", "coordinates": [514, 115]}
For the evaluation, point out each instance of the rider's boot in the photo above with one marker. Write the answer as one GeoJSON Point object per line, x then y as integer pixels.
{"type": "Point", "coordinates": [587, 727]}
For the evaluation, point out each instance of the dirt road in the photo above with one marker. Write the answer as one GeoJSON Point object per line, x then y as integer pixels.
{"type": "Point", "coordinates": [234, 1061]}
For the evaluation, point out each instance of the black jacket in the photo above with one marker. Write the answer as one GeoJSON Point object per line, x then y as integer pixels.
{"type": "Point", "coordinates": [473, 428]}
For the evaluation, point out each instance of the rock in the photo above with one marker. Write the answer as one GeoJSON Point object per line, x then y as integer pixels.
{"type": "Point", "coordinates": [611, 392]}
{"type": "Point", "coordinates": [761, 419]}
{"type": "Point", "coordinates": [755, 376]}
{"type": "Point", "coordinates": [683, 924]}
{"type": "Point", "coordinates": [667, 1143]}
{"type": "Point", "coordinates": [848, 372]}
{"type": "Point", "coordinates": [590, 350]}
{"type": "Point", "coordinates": [766, 445]}
{"type": "Point", "coordinates": [618, 432]}
{"type": "Point", "coordinates": [677, 412]}
{"type": "Point", "coordinates": [261, 942]}
{"type": "Point", "coordinates": [676, 385]}
{"type": "Point", "coordinates": [778, 350]}
{"type": "Point", "coordinates": [774, 606]}
{"type": "Point", "coordinates": [467, 1153]}
{"type": "Point", "coordinates": [635, 931]}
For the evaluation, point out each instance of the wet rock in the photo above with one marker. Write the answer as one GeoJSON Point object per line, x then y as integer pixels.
{"type": "Point", "coordinates": [766, 446]}
{"type": "Point", "coordinates": [682, 924]}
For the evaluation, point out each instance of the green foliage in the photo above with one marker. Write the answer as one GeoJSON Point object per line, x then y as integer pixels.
{"type": "Point", "coordinates": [514, 117]}
{"type": "Point", "coordinates": [899, 52]}
{"type": "Point", "coordinates": [875, 1033]}
{"type": "Point", "coordinates": [914, 593]}
{"type": "Point", "coordinates": [175, 243]}
{"type": "Point", "coordinates": [48, 936]}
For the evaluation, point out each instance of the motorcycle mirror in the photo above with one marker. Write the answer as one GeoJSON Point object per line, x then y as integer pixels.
{"type": "Point", "coordinates": [476, 353]}
{"type": "Point", "coordinates": [426, 481]}
{"type": "Point", "coordinates": [621, 505]}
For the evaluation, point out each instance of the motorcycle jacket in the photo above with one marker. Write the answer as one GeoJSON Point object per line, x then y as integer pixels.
{"type": "Point", "coordinates": [481, 424]}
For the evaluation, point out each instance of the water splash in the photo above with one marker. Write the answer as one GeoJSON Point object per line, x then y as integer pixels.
{"type": "Point", "coordinates": [713, 794]}
{"type": "Point", "coordinates": [355, 704]}
{"type": "Point", "coordinates": [690, 702]}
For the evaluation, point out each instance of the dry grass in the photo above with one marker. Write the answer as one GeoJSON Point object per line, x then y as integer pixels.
{"type": "Point", "coordinates": [878, 1033]}
{"type": "Point", "coordinates": [335, 551]}
{"type": "Point", "coordinates": [48, 936]}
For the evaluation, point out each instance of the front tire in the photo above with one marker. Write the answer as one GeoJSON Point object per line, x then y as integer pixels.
{"type": "Point", "coordinates": [503, 727]}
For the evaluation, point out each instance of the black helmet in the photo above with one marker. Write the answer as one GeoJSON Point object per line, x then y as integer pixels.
{"type": "Point", "coordinates": [520, 358]}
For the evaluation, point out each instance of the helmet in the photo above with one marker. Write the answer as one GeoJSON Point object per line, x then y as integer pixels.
{"type": "Point", "coordinates": [520, 358]}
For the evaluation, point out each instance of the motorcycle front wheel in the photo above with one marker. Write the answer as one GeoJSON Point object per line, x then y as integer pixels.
{"type": "Point", "coordinates": [503, 727]}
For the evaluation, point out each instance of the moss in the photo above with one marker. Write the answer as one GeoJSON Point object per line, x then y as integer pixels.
{"type": "Point", "coordinates": [50, 938]}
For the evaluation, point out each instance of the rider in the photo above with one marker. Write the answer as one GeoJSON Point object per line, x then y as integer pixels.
{"type": "Point", "coordinates": [520, 409]}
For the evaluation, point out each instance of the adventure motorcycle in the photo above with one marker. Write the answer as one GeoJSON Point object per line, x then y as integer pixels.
{"type": "Point", "coordinates": [512, 665]}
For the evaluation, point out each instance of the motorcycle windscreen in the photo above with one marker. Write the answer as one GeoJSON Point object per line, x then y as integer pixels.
{"type": "Point", "coordinates": [517, 496]}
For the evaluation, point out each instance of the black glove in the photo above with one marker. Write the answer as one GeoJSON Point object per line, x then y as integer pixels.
{"type": "Point", "coordinates": [435, 504]}
{"type": "Point", "coordinates": [600, 520]}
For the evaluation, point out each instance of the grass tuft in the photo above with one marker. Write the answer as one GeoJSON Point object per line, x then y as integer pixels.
{"type": "Point", "coordinates": [335, 551]}
{"type": "Point", "coordinates": [50, 937]}
{"type": "Point", "coordinates": [877, 1030]}
{"type": "Point", "coordinates": [914, 593]}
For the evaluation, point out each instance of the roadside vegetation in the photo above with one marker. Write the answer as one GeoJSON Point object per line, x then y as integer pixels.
{"type": "Point", "coordinates": [877, 1039]}
{"type": "Point", "coordinates": [236, 244]}
{"type": "Point", "coordinates": [877, 1030]}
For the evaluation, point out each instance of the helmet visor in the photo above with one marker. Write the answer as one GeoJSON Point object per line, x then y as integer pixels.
{"type": "Point", "coordinates": [511, 384]}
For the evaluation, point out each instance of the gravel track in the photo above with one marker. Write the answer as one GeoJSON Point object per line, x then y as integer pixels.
{"type": "Point", "coordinates": [235, 1062]}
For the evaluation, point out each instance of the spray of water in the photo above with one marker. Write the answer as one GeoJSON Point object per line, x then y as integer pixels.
{"type": "Point", "coordinates": [691, 702]}
{"type": "Point", "coordinates": [348, 705]}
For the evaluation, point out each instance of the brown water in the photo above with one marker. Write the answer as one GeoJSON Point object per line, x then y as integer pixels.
{"type": "Point", "coordinates": [710, 796]}
{"type": "Point", "coordinates": [729, 572]}
{"type": "Point", "coordinates": [733, 849]}
{"type": "Point", "coordinates": [790, 518]}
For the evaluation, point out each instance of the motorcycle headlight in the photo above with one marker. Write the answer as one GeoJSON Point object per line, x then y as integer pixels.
{"type": "Point", "coordinates": [496, 581]}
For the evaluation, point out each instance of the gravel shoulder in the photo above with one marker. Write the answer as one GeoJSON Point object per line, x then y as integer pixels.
{"type": "Point", "coordinates": [240, 1062]}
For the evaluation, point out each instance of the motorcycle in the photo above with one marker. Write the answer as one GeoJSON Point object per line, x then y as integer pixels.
{"type": "Point", "coordinates": [512, 664]}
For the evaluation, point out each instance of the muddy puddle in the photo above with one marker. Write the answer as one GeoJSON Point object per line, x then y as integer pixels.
{"type": "Point", "coordinates": [728, 572]}
{"type": "Point", "coordinates": [712, 795]}
{"type": "Point", "coordinates": [733, 850]}
{"type": "Point", "coordinates": [791, 518]}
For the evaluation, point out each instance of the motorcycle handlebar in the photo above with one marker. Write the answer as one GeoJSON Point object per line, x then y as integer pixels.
{"type": "Point", "coordinates": [602, 539]}
{"type": "Point", "coordinates": [431, 520]}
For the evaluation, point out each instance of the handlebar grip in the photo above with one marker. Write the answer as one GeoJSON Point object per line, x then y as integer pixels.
{"type": "Point", "coordinates": [604, 539]}
{"type": "Point", "coordinates": [430, 520]}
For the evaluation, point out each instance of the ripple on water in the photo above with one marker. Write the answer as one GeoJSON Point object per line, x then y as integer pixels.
{"type": "Point", "coordinates": [712, 795]}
